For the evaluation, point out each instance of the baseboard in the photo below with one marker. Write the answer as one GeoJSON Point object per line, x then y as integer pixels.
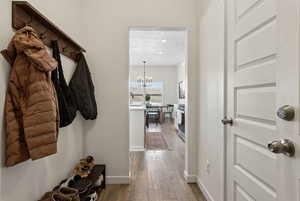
{"type": "Point", "coordinates": [137, 148]}
{"type": "Point", "coordinates": [190, 179]}
{"type": "Point", "coordinates": [117, 179]}
{"type": "Point", "coordinates": [204, 190]}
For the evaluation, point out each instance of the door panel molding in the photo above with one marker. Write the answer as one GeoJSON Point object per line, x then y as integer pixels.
{"type": "Point", "coordinates": [252, 35]}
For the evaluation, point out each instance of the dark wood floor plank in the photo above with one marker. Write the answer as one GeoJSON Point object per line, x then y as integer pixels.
{"type": "Point", "coordinates": [156, 175]}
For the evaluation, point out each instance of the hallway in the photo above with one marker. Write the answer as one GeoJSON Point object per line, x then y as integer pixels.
{"type": "Point", "coordinates": [156, 175]}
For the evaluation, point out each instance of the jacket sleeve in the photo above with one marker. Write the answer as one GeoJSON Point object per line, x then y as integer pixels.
{"type": "Point", "coordinates": [10, 53]}
{"type": "Point", "coordinates": [16, 148]}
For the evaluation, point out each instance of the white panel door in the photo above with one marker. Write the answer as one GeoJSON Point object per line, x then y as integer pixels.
{"type": "Point", "coordinates": [263, 75]}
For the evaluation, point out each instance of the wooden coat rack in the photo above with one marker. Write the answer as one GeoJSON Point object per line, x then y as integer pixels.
{"type": "Point", "coordinates": [23, 13]}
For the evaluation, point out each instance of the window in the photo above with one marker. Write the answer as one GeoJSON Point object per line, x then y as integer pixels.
{"type": "Point", "coordinates": [155, 90]}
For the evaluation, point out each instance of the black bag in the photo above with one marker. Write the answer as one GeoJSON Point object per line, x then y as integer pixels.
{"type": "Point", "coordinates": [83, 89]}
{"type": "Point", "coordinates": [66, 101]}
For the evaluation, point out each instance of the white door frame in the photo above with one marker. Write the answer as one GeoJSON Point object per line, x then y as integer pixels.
{"type": "Point", "coordinates": [223, 46]}
{"type": "Point", "coordinates": [225, 108]}
{"type": "Point", "coordinates": [190, 178]}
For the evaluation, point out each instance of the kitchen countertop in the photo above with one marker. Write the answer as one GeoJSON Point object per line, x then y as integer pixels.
{"type": "Point", "coordinates": [137, 107]}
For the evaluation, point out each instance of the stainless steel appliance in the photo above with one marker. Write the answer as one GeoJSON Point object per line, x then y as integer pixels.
{"type": "Point", "coordinates": [181, 121]}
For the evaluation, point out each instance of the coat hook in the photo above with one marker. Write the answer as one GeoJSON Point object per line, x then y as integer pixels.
{"type": "Point", "coordinates": [42, 35]}
{"type": "Point", "coordinates": [64, 49]}
{"type": "Point", "coordinates": [30, 21]}
{"type": "Point", "coordinates": [74, 54]}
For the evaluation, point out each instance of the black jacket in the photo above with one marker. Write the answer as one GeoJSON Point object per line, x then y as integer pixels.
{"type": "Point", "coordinates": [83, 89]}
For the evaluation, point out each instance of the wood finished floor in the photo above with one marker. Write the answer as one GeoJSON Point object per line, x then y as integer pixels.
{"type": "Point", "coordinates": [156, 175]}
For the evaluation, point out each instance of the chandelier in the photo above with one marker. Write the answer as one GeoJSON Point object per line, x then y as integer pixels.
{"type": "Point", "coordinates": [144, 81]}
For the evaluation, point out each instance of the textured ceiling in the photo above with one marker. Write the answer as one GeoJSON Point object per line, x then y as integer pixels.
{"type": "Point", "coordinates": [157, 47]}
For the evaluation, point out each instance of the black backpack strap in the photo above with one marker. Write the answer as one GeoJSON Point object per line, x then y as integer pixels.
{"type": "Point", "coordinates": [56, 56]}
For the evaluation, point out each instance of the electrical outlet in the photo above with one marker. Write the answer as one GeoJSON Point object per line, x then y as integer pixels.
{"type": "Point", "coordinates": [207, 167]}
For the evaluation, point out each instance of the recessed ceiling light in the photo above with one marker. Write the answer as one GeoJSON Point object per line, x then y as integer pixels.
{"type": "Point", "coordinates": [163, 41]}
{"type": "Point", "coordinates": [160, 52]}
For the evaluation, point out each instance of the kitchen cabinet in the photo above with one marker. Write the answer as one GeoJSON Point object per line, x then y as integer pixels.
{"type": "Point", "coordinates": [137, 128]}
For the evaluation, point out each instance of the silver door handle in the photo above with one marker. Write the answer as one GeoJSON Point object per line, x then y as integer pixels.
{"type": "Point", "coordinates": [286, 112]}
{"type": "Point", "coordinates": [226, 121]}
{"type": "Point", "coordinates": [282, 146]}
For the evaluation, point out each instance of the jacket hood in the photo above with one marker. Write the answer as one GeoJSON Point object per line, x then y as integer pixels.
{"type": "Point", "coordinates": [27, 38]}
{"type": "Point", "coordinates": [26, 29]}
{"type": "Point", "coordinates": [26, 41]}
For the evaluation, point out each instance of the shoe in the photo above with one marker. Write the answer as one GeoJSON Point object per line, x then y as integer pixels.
{"type": "Point", "coordinates": [60, 197]}
{"type": "Point", "coordinates": [84, 167]}
{"type": "Point", "coordinates": [82, 185]}
{"type": "Point", "coordinates": [70, 193]}
{"type": "Point", "coordinates": [54, 196]}
{"type": "Point", "coordinates": [99, 181]}
{"type": "Point", "coordinates": [69, 182]}
{"type": "Point", "coordinates": [91, 195]}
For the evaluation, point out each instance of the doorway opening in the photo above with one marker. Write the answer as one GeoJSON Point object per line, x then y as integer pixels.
{"type": "Point", "coordinates": [158, 93]}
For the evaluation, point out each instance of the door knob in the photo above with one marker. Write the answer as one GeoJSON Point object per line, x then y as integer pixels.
{"type": "Point", "coordinates": [286, 112]}
{"type": "Point", "coordinates": [283, 146]}
{"type": "Point", "coordinates": [226, 121]}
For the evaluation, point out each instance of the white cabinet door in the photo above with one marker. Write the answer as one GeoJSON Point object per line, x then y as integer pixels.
{"type": "Point", "coordinates": [263, 75]}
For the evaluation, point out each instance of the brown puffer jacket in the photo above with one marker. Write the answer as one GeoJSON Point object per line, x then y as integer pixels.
{"type": "Point", "coordinates": [31, 108]}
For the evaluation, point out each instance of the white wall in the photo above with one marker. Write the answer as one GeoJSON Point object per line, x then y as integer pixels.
{"type": "Point", "coordinates": [28, 181]}
{"type": "Point", "coordinates": [107, 23]}
{"type": "Point", "coordinates": [211, 61]}
{"type": "Point", "coordinates": [165, 74]}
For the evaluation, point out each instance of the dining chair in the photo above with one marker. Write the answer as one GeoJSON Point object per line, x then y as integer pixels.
{"type": "Point", "coordinates": [168, 111]}
{"type": "Point", "coordinates": [153, 114]}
